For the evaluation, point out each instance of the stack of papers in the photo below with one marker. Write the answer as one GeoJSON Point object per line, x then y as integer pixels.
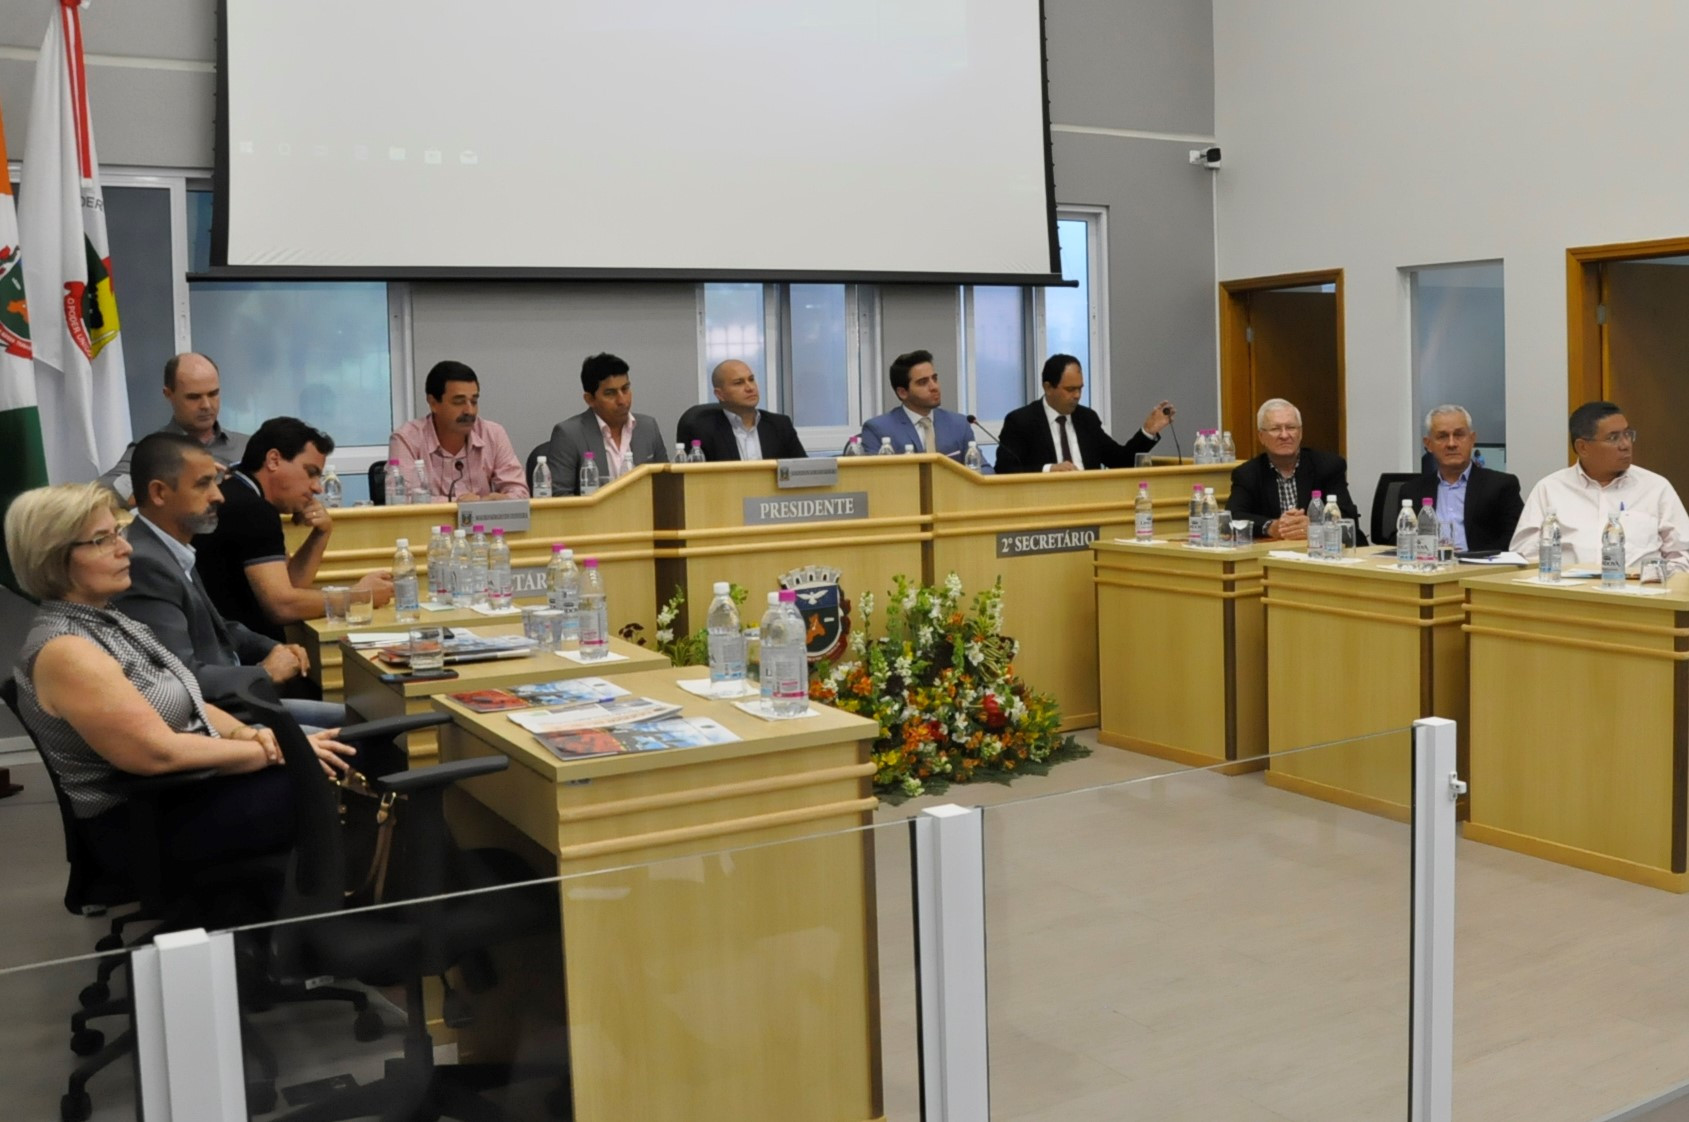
{"type": "Point", "coordinates": [594, 714]}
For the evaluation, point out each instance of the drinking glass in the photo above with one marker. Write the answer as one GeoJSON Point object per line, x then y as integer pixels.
{"type": "Point", "coordinates": [1243, 534]}
{"type": "Point", "coordinates": [336, 602]}
{"type": "Point", "coordinates": [360, 606]}
{"type": "Point", "coordinates": [1143, 460]}
{"type": "Point", "coordinates": [428, 648]}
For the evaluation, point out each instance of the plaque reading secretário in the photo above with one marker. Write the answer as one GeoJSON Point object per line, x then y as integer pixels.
{"type": "Point", "coordinates": [840, 507]}
{"type": "Point", "coordinates": [1024, 543]}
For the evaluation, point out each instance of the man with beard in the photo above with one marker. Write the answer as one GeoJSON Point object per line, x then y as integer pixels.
{"type": "Point", "coordinates": [178, 495]}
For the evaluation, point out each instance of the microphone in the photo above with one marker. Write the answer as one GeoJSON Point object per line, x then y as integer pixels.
{"type": "Point", "coordinates": [974, 421]}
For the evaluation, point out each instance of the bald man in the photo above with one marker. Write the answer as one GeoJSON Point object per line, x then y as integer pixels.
{"type": "Point", "coordinates": [195, 394]}
{"type": "Point", "coordinates": [738, 430]}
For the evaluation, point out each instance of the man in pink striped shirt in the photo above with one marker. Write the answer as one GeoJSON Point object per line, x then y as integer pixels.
{"type": "Point", "coordinates": [465, 456]}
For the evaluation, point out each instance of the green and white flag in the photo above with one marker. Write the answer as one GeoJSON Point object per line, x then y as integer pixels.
{"type": "Point", "coordinates": [22, 464]}
{"type": "Point", "coordinates": [79, 386]}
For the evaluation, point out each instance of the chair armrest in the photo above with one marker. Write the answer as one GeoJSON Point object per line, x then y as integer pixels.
{"type": "Point", "coordinates": [392, 726]}
{"type": "Point", "coordinates": [147, 786]}
{"type": "Point", "coordinates": [439, 775]}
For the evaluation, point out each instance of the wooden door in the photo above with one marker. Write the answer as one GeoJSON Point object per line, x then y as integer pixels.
{"type": "Point", "coordinates": [1283, 337]}
{"type": "Point", "coordinates": [1647, 363]}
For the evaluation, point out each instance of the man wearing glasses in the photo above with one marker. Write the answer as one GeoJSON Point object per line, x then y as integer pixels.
{"type": "Point", "coordinates": [1273, 490]}
{"type": "Point", "coordinates": [1583, 495]}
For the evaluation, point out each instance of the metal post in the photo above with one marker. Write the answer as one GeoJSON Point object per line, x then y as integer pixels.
{"type": "Point", "coordinates": [187, 1028]}
{"type": "Point", "coordinates": [1436, 786]}
{"type": "Point", "coordinates": [950, 963]}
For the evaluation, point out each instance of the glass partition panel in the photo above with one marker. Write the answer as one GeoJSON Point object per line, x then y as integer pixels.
{"type": "Point", "coordinates": [1205, 945]}
{"type": "Point", "coordinates": [758, 981]}
{"type": "Point", "coordinates": [63, 1055]}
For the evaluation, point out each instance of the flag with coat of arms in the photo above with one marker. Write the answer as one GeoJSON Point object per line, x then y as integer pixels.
{"type": "Point", "coordinates": [79, 385]}
{"type": "Point", "coordinates": [22, 466]}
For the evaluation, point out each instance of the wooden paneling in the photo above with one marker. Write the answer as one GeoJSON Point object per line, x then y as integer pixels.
{"type": "Point", "coordinates": [706, 984]}
{"type": "Point", "coordinates": [1294, 356]}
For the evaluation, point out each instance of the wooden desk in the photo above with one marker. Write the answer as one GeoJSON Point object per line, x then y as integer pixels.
{"type": "Point", "coordinates": [373, 699]}
{"type": "Point", "coordinates": [1580, 726]}
{"type": "Point", "coordinates": [322, 642]}
{"type": "Point", "coordinates": [1354, 651]}
{"type": "Point", "coordinates": [1051, 520]}
{"type": "Point", "coordinates": [1182, 652]}
{"type": "Point", "coordinates": [712, 986]}
{"type": "Point", "coordinates": [615, 525]}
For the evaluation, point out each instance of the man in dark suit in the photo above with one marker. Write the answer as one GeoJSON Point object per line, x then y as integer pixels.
{"type": "Point", "coordinates": [1059, 434]}
{"type": "Point", "coordinates": [739, 430]}
{"type": "Point", "coordinates": [618, 438]}
{"type": "Point", "coordinates": [1273, 490]}
{"type": "Point", "coordinates": [177, 496]}
{"type": "Point", "coordinates": [1483, 505]}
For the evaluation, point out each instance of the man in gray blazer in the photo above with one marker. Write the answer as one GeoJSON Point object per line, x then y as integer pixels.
{"type": "Point", "coordinates": [177, 496]}
{"type": "Point", "coordinates": [618, 438]}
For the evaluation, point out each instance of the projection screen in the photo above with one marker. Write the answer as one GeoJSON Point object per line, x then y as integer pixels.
{"type": "Point", "coordinates": [767, 139]}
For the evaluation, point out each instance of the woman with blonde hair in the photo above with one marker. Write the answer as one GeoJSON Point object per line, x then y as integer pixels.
{"type": "Point", "coordinates": [103, 698]}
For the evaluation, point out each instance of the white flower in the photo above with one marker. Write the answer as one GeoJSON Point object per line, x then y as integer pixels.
{"type": "Point", "coordinates": [912, 786]}
{"type": "Point", "coordinates": [953, 584]}
{"type": "Point", "coordinates": [665, 634]}
{"type": "Point", "coordinates": [867, 603]}
{"type": "Point", "coordinates": [974, 652]}
{"type": "Point", "coordinates": [923, 637]}
{"type": "Point", "coordinates": [666, 614]}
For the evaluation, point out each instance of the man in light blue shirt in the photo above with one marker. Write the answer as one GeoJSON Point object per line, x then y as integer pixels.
{"type": "Point", "coordinates": [1481, 505]}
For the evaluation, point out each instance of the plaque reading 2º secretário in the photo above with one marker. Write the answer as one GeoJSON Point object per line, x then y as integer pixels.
{"type": "Point", "coordinates": [839, 507]}
{"type": "Point", "coordinates": [1022, 543]}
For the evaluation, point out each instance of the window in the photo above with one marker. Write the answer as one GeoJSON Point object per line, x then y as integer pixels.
{"type": "Point", "coordinates": [1459, 351]}
{"type": "Point", "coordinates": [808, 343]}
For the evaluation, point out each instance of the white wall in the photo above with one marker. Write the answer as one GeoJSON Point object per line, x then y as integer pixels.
{"type": "Point", "coordinates": [1373, 136]}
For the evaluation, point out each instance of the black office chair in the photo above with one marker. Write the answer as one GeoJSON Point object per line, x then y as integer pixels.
{"type": "Point", "coordinates": [1387, 503]}
{"type": "Point", "coordinates": [690, 426]}
{"type": "Point", "coordinates": [378, 483]}
{"type": "Point", "coordinates": [399, 946]}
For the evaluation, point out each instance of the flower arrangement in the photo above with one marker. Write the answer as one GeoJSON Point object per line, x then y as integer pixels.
{"type": "Point", "coordinates": [940, 682]}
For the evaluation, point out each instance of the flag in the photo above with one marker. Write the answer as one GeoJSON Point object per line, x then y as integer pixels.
{"type": "Point", "coordinates": [79, 386]}
{"type": "Point", "coordinates": [22, 466]}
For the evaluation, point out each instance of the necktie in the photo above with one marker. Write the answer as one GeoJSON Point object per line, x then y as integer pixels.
{"type": "Point", "coordinates": [925, 428]}
{"type": "Point", "coordinates": [1066, 448]}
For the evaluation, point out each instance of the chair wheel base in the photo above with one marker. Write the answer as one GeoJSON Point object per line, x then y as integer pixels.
{"type": "Point", "coordinates": [87, 1041]}
{"type": "Point", "coordinates": [75, 1106]}
{"type": "Point", "coordinates": [94, 993]}
{"type": "Point", "coordinates": [367, 1026]}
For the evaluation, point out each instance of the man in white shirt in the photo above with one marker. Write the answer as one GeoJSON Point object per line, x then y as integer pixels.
{"type": "Point", "coordinates": [1604, 479]}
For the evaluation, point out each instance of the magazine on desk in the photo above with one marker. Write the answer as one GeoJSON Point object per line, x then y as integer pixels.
{"type": "Point", "coordinates": [641, 736]}
{"type": "Point", "coordinates": [464, 646]}
{"type": "Point", "coordinates": [594, 714]}
{"type": "Point", "coordinates": [569, 691]}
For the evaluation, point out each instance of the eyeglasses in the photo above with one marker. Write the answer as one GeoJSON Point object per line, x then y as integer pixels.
{"type": "Point", "coordinates": [1623, 436]}
{"type": "Point", "coordinates": [102, 543]}
{"type": "Point", "coordinates": [1282, 430]}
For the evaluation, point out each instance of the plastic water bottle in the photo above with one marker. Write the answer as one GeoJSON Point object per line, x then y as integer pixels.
{"type": "Point", "coordinates": [727, 644]}
{"type": "Point", "coordinates": [423, 493]}
{"type": "Point", "coordinates": [1228, 450]}
{"type": "Point", "coordinates": [563, 593]}
{"type": "Point", "coordinates": [785, 663]}
{"type": "Point", "coordinates": [593, 612]}
{"type": "Point", "coordinates": [696, 456]}
{"type": "Point", "coordinates": [334, 493]}
{"type": "Point", "coordinates": [680, 452]}
{"type": "Point", "coordinates": [766, 680]}
{"type": "Point", "coordinates": [406, 605]}
{"type": "Point", "coordinates": [973, 458]}
{"type": "Point", "coordinates": [1143, 511]}
{"type": "Point", "coordinates": [395, 485]}
{"type": "Point", "coordinates": [1210, 520]}
{"type": "Point", "coordinates": [853, 447]}
{"type": "Point", "coordinates": [908, 449]}
{"type": "Point", "coordinates": [1548, 549]}
{"type": "Point", "coordinates": [885, 448]}
{"type": "Point", "coordinates": [1193, 531]}
{"type": "Point", "coordinates": [1333, 530]}
{"type": "Point", "coordinates": [589, 473]}
{"type": "Point", "coordinates": [501, 588]}
{"type": "Point", "coordinates": [461, 597]}
{"type": "Point", "coordinates": [1612, 550]}
{"type": "Point", "coordinates": [1316, 526]}
{"type": "Point", "coordinates": [1406, 527]}
{"type": "Point", "coordinates": [542, 478]}
{"type": "Point", "coordinates": [1425, 538]}
{"type": "Point", "coordinates": [440, 565]}
{"type": "Point", "coordinates": [478, 566]}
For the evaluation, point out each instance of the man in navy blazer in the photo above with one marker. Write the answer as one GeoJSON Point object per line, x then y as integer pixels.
{"type": "Point", "coordinates": [915, 383]}
{"type": "Point", "coordinates": [738, 430]}
{"type": "Point", "coordinates": [177, 496]}
{"type": "Point", "coordinates": [1483, 505]}
{"type": "Point", "coordinates": [1056, 433]}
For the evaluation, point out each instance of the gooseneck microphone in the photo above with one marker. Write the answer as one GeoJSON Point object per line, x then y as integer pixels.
{"type": "Point", "coordinates": [974, 421]}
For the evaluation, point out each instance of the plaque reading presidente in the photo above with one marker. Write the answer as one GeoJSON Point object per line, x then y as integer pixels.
{"type": "Point", "coordinates": [839, 507]}
{"type": "Point", "coordinates": [1023, 543]}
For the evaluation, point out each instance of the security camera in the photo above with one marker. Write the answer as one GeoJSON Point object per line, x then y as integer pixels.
{"type": "Point", "coordinates": [1207, 157]}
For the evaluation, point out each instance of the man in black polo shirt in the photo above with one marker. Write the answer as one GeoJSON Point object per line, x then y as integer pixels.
{"type": "Point", "coordinates": [244, 562]}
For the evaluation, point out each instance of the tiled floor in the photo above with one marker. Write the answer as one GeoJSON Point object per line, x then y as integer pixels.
{"type": "Point", "coordinates": [1187, 947]}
